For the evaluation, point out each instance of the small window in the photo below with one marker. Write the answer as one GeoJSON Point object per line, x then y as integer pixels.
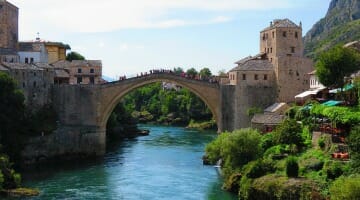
{"type": "Point", "coordinates": [256, 77]}
{"type": "Point", "coordinates": [24, 85]}
{"type": "Point", "coordinates": [92, 71]}
{"type": "Point", "coordinates": [265, 77]}
{"type": "Point", "coordinates": [92, 80]}
{"type": "Point", "coordinates": [292, 49]}
{"type": "Point", "coordinates": [34, 84]}
{"type": "Point", "coordinates": [244, 77]}
{"type": "Point", "coordinates": [26, 60]}
{"type": "Point", "coordinates": [273, 34]}
{"type": "Point", "coordinates": [271, 50]}
{"type": "Point", "coordinates": [79, 80]}
{"type": "Point", "coordinates": [79, 70]}
{"type": "Point", "coordinates": [263, 37]}
{"type": "Point", "coordinates": [31, 60]}
{"type": "Point", "coordinates": [284, 33]}
{"type": "Point", "coordinates": [296, 34]}
{"type": "Point", "coordinates": [34, 73]}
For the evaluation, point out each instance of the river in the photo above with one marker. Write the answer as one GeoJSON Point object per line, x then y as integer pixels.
{"type": "Point", "coordinates": [164, 165]}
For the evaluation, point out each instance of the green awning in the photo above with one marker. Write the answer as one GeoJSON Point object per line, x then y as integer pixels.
{"type": "Point", "coordinates": [332, 103]}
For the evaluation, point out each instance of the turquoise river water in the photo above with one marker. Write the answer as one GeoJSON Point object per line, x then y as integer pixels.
{"type": "Point", "coordinates": [164, 165]}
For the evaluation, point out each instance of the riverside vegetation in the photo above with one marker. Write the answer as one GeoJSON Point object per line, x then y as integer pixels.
{"type": "Point", "coordinates": [284, 164]}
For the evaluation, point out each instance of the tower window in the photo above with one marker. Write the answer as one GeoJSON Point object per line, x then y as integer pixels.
{"type": "Point", "coordinates": [31, 60]}
{"type": "Point", "coordinates": [296, 34]}
{"type": "Point", "coordinates": [79, 80]}
{"type": "Point", "coordinates": [284, 33]}
{"type": "Point", "coordinates": [292, 49]}
{"type": "Point", "coordinates": [79, 70]}
{"type": "Point", "coordinates": [273, 34]}
{"type": "Point", "coordinates": [26, 60]}
{"type": "Point", "coordinates": [271, 50]}
{"type": "Point", "coordinates": [265, 77]}
{"type": "Point", "coordinates": [256, 77]}
{"type": "Point", "coordinates": [92, 70]}
{"type": "Point", "coordinates": [244, 77]}
{"type": "Point", "coordinates": [263, 37]}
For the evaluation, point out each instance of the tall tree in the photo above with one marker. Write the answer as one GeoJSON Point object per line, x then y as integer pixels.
{"type": "Point", "coordinates": [74, 56]}
{"type": "Point", "coordinates": [335, 64]}
{"type": "Point", "coordinates": [205, 73]}
{"type": "Point", "coordinates": [192, 72]}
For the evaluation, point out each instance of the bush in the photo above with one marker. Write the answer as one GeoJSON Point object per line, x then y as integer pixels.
{"type": "Point", "coordinates": [333, 169]}
{"type": "Point", "coordinates": [259, 168]}
{"type": "Point", "coordinates": [345, 188]}
{"type": "Point", "coordinates": [321, 142]}
{"type": "Point", "coordinates": [236, 149]}
{"type": "Point", "coordinates": [267, 141]}
{"type": "Point", "coordinates": [289, 132]}
{"type": "Point", "coordinates": [292, 167]}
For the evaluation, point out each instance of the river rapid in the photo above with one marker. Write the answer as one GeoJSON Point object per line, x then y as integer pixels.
{"type": "Point", "coordinates": [164, 165]}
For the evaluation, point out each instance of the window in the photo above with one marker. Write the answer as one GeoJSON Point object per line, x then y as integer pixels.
{"type": "Point", "coordinates": [244, 77]}
{"type": "Point", "coordinates": [31, 60]}
{"type": "Point", "coordinates": [23, 84]}
{"type": "Point", "coordinates": [79, 70]}
{"type": "Point", "coordinates": [34, 84]}
{"type": "Point", "coordinates": [273, 34]}
{"type": "Point", "coordinates": [271, 50]}
{"type": "Point", "coordinates": [284, 33]}
{"type": "Point", "coordinates": [26, 60]}
{"type": "Point", "coordinates": [265, 77]}
{"type": "Point", "coordinates": [92, 71]}
{"type": "Point", "coordinates": [263, 37]}
{"type": "Point", "coordinates": [79, 80]}
{"type": "Point", "coordinates": [92, 80]}
{"type": "Point", "coordinates": [34, 73]}
{"type": "Point", "coordinates": [256, 77]}
{"type": "Point", "coordinates": [296, 34]}
{"type": "Point", "coordinates": [292, 49]}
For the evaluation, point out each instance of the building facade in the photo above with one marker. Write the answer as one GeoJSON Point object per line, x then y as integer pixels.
{"type": "Point", "coordinates": [8, 32]}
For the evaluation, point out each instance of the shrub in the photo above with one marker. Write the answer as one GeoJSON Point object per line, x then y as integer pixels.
{"type": "Point", "coordinates": [259, 168]}
{"type": "Point", "coordinates": [289, 132]}
{"type": "Point", "coordinates": [267, 141]}
{"type": "Point", "coordinates": [321, 142]}
{"type": "Point", "coordinates": [292, 167]}
{"type": "Point", "coordinates": [333, 169]}
{"type": "Point", "coordinates": [345, 188]}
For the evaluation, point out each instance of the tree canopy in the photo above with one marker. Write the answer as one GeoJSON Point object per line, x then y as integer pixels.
{"type": "Point", "coordinates": [192, 72]}
{"type": "Point", "coordinates": [205, 72]}
{"type": "Point", "coordinates": [335, 64]}
{"type": "Point", "coordinates": [74, 56]}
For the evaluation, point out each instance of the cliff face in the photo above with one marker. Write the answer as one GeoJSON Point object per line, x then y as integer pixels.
{"type": "Point", "coordinates": [340, 25]}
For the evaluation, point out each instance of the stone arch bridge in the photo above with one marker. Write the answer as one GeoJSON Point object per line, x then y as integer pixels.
{"type": "Point", "coordinates": [84, 109]}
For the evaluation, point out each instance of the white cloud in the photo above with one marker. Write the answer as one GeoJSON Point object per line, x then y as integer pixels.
{"type": "Point", "coordinates": [109, 15]}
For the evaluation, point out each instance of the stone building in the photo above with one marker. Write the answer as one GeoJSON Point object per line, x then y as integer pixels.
{"type": "Point", "coordinates": [41, 51]}
{"type": "Point", "coordinates": [80, 71]}
{"type": "Point", "coordinates": [35, 81]}
{"type": "Point", "coordinates": [30, 52]}
{"type": "Point", "coordinates": [276, 74]}
{"type": "Point", "coordinates": [8, 31]}
{"type": "Point", "coordinates": [283, 45]}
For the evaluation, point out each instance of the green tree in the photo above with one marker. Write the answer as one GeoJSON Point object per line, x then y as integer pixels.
{"type": "Point", "coordinates": [74, 56]}
{"type": "Point", "coordinates": [205, 73]}
{"type": "Point", "coordinates": [178, 70]}
{"type": "Point", "coordinates": [289, 132]}
{"type": "Point", "coordinates": [292, 167]}
{"type": "Point", "coordinates": [335, 64]}
{"type": "Point", "coordinates": [11, 114]}
{"type": "Point", "coordinates": [192, 72]}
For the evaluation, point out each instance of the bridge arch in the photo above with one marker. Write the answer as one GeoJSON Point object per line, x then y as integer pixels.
{"type": "Point", "coordinates": [112, 93]}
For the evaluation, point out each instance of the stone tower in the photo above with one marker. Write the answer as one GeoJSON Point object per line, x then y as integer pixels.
{"type": "Point", "coordinates": [283, 45]}
{"type": "Point", "coordinates": [8, 27]}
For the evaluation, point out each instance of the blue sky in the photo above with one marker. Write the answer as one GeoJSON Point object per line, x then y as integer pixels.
{"type": "Point", "coordinates": [138, 35]}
